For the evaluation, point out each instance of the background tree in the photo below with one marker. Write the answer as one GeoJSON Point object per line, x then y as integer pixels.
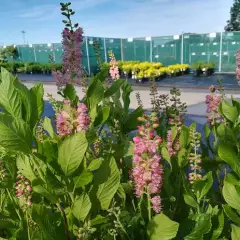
{"type": "Point", "coordinates": [11, 51]}
{"type": "Point", "coordinates": [234, 23]}
{"type": "Point", "coordinates": [2, 56]}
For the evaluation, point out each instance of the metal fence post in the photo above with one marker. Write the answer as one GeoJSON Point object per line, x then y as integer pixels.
{"type": "Point", "coordinates": [88, 61]}
{"type": "Point", "coordinates": [182, 46]}
{"type": "Point", "coordinates": [220, 52]}
{"type": "Point", "coordinates": [105, 49]}
{"type": "Point", "coordinates": [122, 56]}
{"type": "Point", "coordinates": [34, 51]}
{"type": "Point", "coordinates": [151, 50]}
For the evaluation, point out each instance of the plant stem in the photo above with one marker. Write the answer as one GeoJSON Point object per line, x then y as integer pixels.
{"type": "Point", "coordinates": [28, 230]}
{"type": "Point", "coordinates": [65, 221]}
{"type": "Point", "coordinates": [120, 224]}
{"type": "Point", "coordinates": [149, 206]}
{"type": "Point", "coordinates": [15, 205]}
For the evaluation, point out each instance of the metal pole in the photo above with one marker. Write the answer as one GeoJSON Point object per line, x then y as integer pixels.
{"type": "Point", "coordinates": [88, 61]}
{"type": "Point", "coordinates": [105, 49]}
{"type": "Point", "coordinates": [182, 49]}
{"type": "Point", "coordinates": [34, 51]}
{"type": "Point", "coordinates": [220, 53]}
{"type": "Point", "coordinates": [151, 50]}
{"type": "Point", "coordinates": [53, 49]}
{"type": "Point", "coordinates": [122, 56]}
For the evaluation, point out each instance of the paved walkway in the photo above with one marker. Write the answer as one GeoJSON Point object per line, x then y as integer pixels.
{"type": "Point", "coordinates": [194, 98]}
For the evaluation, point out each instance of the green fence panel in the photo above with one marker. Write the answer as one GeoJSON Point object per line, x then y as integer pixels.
{"type": "Point", "coordinates": [230, 45]}
{"type": "Point", "coordinates": [128, 50]}
{"type": "Point", "coordinates": [201, 47]}
{"type": "Point", "coordinates": [58, 52]}
{"type": "Point", "coordinates": [166, 50]}
{"type": "Point", "coordinates": [113, 44]}
{"type": "Point", "coordinates": [26, 53]}
{"type": "Point", "coordinates": [43, 52]}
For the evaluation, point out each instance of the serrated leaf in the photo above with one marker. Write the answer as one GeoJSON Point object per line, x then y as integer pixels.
{"type": "Point", "coordinates": [235, 232]}
{"type": "Point", "coordinates": [131, 121]}
{"type": "Point", "coordinates": [47, 126]}
{"type": "Point", "coordinates": [231, 196]}
{"type": "Point", "coordinates": [71, 153]}
{"type": "Point", "coordinates": [70, 92]}
{"type": "Point", "coordinates": [183, 139]}
{"type": "Point", "coordinates": [162, 228]}
{"type": "Point", "coordinates": [108, 188]}
{"type": "Point", "coordinates": [218, 231]}
{"type": "Point", "coordinates": [45, 193]}
{"type": "Point", "coordinates": [15, 134]}
{"type": "Point", "coordinates": [228, 154]}
{"type": "Point", "coordinates": [231, 214]}
{"type": "Point", "coordinates": [166, 156]}
{"type": "Point", "coordinates": [83, 179]}
{"type": "Point", "coordinates": [202, 186]}
{"type": "Point", "coordinates": [182, 158]}
{"type": "Point", "coordinates": [102, 116]}
{"type": "Point", "coordinates": [174, 133]}
{"type": "Point", "coordinates": [203, 226]}
{"type": "Point", "coordinates": [95, 164]}
{"type": "Point", "coordinates": [10, 99]}
{"type": "Point", "coordinates": [24, 166]}
{"type": "Point", "coordinates": [229, 111]}
{"type": "Point", "coordinates": [37, 103]}
{"type": "Point", "coordinates": [190, 200]}
{"type": "Point", "coordinates": [81, 207]}
{"type": "Point", "coordinates": [114, 88]}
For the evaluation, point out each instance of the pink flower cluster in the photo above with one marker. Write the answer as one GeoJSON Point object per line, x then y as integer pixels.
{"type": "Point", "coordinates": [114, 71]}
{"type": "Point", "coordinates": [72, 55]}
{"type": "Point", "coordinates": [147, 173]}
{"type": "Point", "coordinates": [238, 66]}
{"type": "Point", "coordinates": [178, 120]}
{"type": "Point", "coordinates": [213, 101]}
{"type": "Point", "coordinates": [170, 144]}
{"type": "Point", "coordinates": [23, 190]}
{"type": "Point", "coordinates": [71, 120]}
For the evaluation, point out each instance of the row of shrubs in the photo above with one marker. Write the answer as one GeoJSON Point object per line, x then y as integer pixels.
{"type": "Point", "coordinates": [31, 68]}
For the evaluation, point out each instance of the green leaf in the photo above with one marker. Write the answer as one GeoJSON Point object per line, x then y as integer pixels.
{"type": "Point", "coordinates": [94, 96]}
{"type": "Point", "coordinates": [166, 156]}
{"type": "Point", "coordinates": [70, 92]}
{"type": "Point", "coordinates": [207, 131]}
{"type": "Point", "coordinates": [202, 186]}
{"type": "Point", "coordinates": [50, 224]}
{"type": "Point", "coordinates": [231, 196]}
{"type": "Point", "coordinates": [83, 179]}
{"type": "Point", "coordinates": [218, 231]}
{"type": "Point", "coordinates": [37, 102]}
{"type": "Point", "coordinates": [203, 226]}
{"type": "Point", "coordinates": [190, 200]}
{"type": "Point", "coordinates": [71, 153]}
{"type": "Point", "coordinates": [10, 99]}
{"type": "Point", "coordinates": [25, 98]}
{"type": "Point", "coordinates": [15, 134]}
{"type": "Point", "coordinates": [162, 228]}
{"type": "Point", "coordinates": [235, 232]}
{"type": "Point", "coordinates": [45, 193]}
{"type": "Point", "coordinates": [231, 214]}
{"type": "Point", "coordinates": [174, 133]}
{"type": "Point", "coordinates": [102, 116]}
{"type": "Point", "coordinates": [114, 88]}
{"type": "Point", "coordinates": [131, 121]}
{"type": "Point", "coordinates": [95, 164]}
{"type": "Point", "coordinates": [98, 220]}
{"type": "Point", "coordinates": [183, 139]}
{"type": "Point", "coordinates": [228, 154]}
{"type": "Point", "coordinates": [229, 111]}
{"type": "Point", "coordinates": [108, 188]}
{"type": "Point", "coordinates": [81, 207]}
{"type": "Point", "coordinates": [24, 166]}
{"type": "Point", "coordinates": [126, 91]}
{"type": "Point", "coordinates": [182, 158]}
{"type": "Point", "coordinates": [47, 125]}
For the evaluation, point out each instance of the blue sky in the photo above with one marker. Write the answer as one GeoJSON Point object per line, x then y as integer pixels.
{"type": "Point", "coordinates": [41, 19]}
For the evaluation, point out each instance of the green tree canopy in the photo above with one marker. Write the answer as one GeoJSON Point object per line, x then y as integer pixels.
{"type": "Point", "coordinates": [234, 23]}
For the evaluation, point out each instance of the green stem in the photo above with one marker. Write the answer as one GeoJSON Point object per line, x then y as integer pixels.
{"type": "Point", "coordinates": [15, 205]}
{"type": "Point", "coordinates": [149, 207]}
{"type": "Point", "coordinates": [28, 230]}
{"type": "Point", "coordinates": [121, 226]}
{"type": "Point", "coordinates": [65, 221]}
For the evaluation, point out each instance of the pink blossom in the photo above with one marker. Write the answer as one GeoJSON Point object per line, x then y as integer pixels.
{"type": "Point", "coordinates": [170, 144]}
{"type": "Point", "coordinates": [147, 173]}
{"type": "Point", "coordinates": [156, 202]}
{"type": "Point", "coordinates": [114, 71]}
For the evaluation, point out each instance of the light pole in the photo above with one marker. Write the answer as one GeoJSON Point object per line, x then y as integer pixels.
{"type": "Point", "coordinates": [23, 34]}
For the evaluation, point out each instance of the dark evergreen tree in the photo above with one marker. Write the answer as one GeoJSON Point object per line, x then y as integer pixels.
{"type": "Point", "coordinates": [234, 23]}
